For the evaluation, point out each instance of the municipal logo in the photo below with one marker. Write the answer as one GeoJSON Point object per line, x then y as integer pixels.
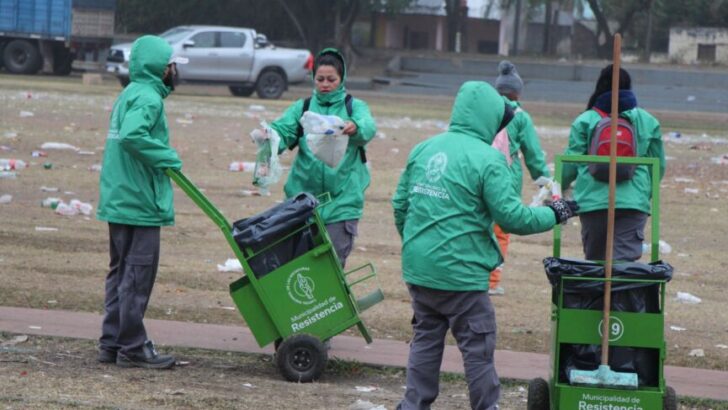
{"type": "Point", "coordinates": [300, 287]}
{"type": "Point", "coordinates": [436, 167]}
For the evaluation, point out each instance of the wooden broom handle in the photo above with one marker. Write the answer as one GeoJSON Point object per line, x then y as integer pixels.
{"type": "Point", "coordinates": [612, 198]}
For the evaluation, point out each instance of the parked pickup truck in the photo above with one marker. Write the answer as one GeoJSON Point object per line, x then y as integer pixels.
{"type": "Point", "coordinates": [237, 57]}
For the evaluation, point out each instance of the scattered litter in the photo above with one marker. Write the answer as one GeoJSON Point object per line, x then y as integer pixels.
{"type": "Point", "coordinates": [95, 168]}
{"type": "Point", "coordinates": [721, 160]}
{"type": "Point", "coordinates": [35, 327]}
{"type": "Point", "coordinates": [394, 151]}
{"type": "Point", "coordinates": [244, 166]}
{"type": "Point", "coordinates": [256, 107]}
{"type": "Point", "coordinates": [365, 389]}
{"type": "Point", "coordinates": [10, 134]}
{"type": "Point", "coordinates": [184, 121]}
{"type": "Point", "coordinates": [677, 328]}
{"type": "Point", "coordinates": [248, 385]}
{"type": "Point", "coordinates": [691, 190]}
{"type": "Point", "coordinates": [12, 164]}
{"type": "Point", "coordinates": [721, 346]}
{"type": "Point", "coordinates": [8, 175]}
{"type": "Point", "coordinates": [381, 135]}
{"type": "Point", "coordinates": [6, 199]}
{"type": "Point", "coordinates": [83, 207]}
{"type": "Point", "coordinates": [366, 405]}
{"type": "Point", "coordinates": [17, 339]}
{"type": "Point", "coordinates": [86, 153]}
{"type": "Point", "coordinates": [521, 389]}
{"type": "Point", "coordinates": [26, 114]}
{"type": "Point", "coordinates": [49, 165]}
{"type": "Point", "coordinates": [37, 154]}
{"type": "Point", "coordinates": [665, 247]}
{"type": "Point", "coordinates": [182, 363]}
{"type": "Point", "coordinates": [361, 248]}
{"type": "Point", "coordinates": [252, 192]}
{"type": "Point", "coordinates": [45, 229]}
{"type": "Point", "coordinates": [683, 179]}
{"type": "Point", "coordinates": [231, 265]}
{"type": "Point", "coordinates": [226, 307]}
{"type": "Point", "coordinates": [683, 255]}
{"type": "Point", "coordinates": [5, 148]}
{"type": "Point", "coordinates": [685, 297]}
{"type": "Point", "coordinates": [674, 134]}
{"type": "Point", "coordinates": [48, 189]}
{"type": "Point", "coordinates": [58, 145]}
{"type": "Point", "coordinates": [177, 392]}
{"type": "Point", "coordinates": [52, 302]}
{"type": "Point", "coordinates": [50, 202]}
{"type": "Point", "coordinates": [107, 376]}
{"type": "Point", "coordinates": [697, 353]}
{"type": "Point", "coordinates": [690, 98]}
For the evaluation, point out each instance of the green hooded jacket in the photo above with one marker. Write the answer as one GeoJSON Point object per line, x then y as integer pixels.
{"type": "Point", "coordinates": [133, 188]}
{"type": "Point", "coordinates": [346, 183]}
{"type": "Point", "coordinates": [454, 187]}
{"type": "Point", "coordinates": [635, 193]}
{"type": "Point", "coordinates": [523, 138]}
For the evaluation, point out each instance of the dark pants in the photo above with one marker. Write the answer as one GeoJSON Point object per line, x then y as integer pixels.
{"type": "Point", "coordinates": [134, 258]}
{"type": "Point", "coordinates": [471, 318]}
{"type": "Point", "coordinates": [629, 233]}
{"type": "Point", "coordinates": [342, 236]}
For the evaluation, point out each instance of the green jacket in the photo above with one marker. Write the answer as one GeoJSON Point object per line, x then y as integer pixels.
{"type": "Point", "coordinates": [346, 183]}
{"type": "Point", "coordinates": [635, 193]}
{"type": "Point", "coordinates": [133, 188]}
{"type": "Point", "coordinates": [523, 138]}
{"type": "Point", "coordinates": [454, 187]}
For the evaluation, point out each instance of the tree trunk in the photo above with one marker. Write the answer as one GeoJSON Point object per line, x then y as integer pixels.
{"type": "Point", "coordinates": [343, 31]}
{"type": "Point", "coordinates": [453, 14]}
{"type": "Point", "coordinates": [648, 36]}
{"type": "Point", "coordinates": [603, 50]}
{"type": "Point", "coordinates": [294, 20]}
{"type": "Point", "coordinates": [546, 47]}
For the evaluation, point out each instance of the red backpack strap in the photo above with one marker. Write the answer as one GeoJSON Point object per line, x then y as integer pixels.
{"type": "Point", "coordinates": [600, 112]}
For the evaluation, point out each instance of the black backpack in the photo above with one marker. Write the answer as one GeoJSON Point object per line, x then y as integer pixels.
{"type": "Point", "coordinates": [349, 104]}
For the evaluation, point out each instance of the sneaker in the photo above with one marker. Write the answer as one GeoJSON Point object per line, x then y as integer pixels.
{"type": "Point", "coordinates": [106, 356]}
{"type": "Point", "coordinates": [497, 291]}
{"type": "Point", "coordinates": [148, 358]}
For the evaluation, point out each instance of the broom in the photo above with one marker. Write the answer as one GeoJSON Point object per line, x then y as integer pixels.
{"type": "Point", "coordinates": [604, 376]}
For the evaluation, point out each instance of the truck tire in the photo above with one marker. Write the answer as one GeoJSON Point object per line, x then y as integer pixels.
{"type": "Point", "coordinates": [538, 395]}
{"type": "Point", "coordinates": [271, 85]}
{"type": "Point", "coordinates": [241, 91]}
{"type": "Point", "coordinates": [22, 57]}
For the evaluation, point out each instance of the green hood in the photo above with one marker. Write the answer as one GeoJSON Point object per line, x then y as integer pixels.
{"type": "Point", "coordinates": [469, 117]}
{"type": "Point", "coordinates": [338, 94]}
{"type": "Point", "coordinates": [149, 58]}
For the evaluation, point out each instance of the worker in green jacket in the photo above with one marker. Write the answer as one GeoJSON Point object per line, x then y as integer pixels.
{"type": "Point", "coordinates": [135, 198]}
{"type": "Point", "coordinates": [633, 195]}
{"type": "Point", "coordinates": [522, 140]}
{"type": "Point", "coordinates": [347, 182]}
{"type": "Point", "coordinates": [454, 187]}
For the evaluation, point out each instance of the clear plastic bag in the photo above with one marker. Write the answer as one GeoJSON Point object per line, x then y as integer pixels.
{"type": "Point", "coordinates": [550, 191]}
{"type": "Point", "coordinates": [267, 166]}
{"type": "Point", "coordinates": [325, 137]}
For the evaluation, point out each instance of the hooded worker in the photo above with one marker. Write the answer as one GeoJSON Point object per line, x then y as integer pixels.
{"type": "Point", "coordinates": [455, 186]}
{"type": "Point", "coordinates": [347, 182]}
{"type": "Point", "coordinates": [135, 198]}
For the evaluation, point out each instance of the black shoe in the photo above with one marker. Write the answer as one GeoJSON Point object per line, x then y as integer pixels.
{"type": "Point", "coordinates": [106, 356]}
{"type": "Point", "coordinates": [148, 358]}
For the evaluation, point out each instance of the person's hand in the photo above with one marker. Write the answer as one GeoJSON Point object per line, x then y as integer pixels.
{"type": "Point", "coordinates": [349, 128]}
{"type": "Point", "coordinates": [564, 210]}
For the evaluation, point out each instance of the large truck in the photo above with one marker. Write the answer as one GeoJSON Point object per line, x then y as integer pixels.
{"type": "Point", "coordinates": [54, 35]}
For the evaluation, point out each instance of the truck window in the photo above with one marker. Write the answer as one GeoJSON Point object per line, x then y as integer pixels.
{"type": "Point", "coordinates": [232, 39]}
{"type": "Point", "coordinates": [206, 39]}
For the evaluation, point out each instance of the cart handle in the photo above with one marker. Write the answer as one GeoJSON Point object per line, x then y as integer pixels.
{"type": "Point", "coordinates": [372, 273]}
{"type": "Point", "coordinates": [198, 198]}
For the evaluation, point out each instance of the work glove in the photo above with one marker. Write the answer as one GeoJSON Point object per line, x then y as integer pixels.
{"type": "Point", "coordinates": [563, 209]}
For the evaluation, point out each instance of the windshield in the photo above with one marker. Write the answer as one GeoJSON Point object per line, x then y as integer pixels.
{"type": "Point", "coordinates": [176, 34]}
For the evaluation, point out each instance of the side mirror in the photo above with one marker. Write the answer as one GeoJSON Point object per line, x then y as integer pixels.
{"type": "Point", "coordinates": [261, 41]}
{"type": "Point", "coordinates": [188, 44]}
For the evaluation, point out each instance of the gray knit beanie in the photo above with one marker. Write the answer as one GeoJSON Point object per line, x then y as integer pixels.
{"type": "Point", "coordinates": [508, 80]}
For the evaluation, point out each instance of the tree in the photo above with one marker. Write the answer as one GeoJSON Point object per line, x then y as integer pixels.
{"type": "Point", "coordinates": [622, 11]}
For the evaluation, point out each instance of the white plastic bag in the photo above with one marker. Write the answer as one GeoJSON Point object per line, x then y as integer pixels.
{"type": "Point", "coordinates": [267, 166]}
{"type": "Point", "coordinates": [325, 137]}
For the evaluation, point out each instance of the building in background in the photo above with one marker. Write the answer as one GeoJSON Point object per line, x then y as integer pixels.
{"type": "Point", "coordinates": [700, 45]}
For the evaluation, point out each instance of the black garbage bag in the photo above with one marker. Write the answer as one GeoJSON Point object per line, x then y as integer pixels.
{"type": "Point", "coordinates": [268, 227]}
{"type": "Point", "coordinates": [626, 297]}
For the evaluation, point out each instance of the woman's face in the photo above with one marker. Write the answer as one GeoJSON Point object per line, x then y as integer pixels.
{"type": "Point", "coordinates": [327, 79]}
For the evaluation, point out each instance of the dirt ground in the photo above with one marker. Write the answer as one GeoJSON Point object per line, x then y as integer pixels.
{"type": "Point", "coordinates": [65, 268]}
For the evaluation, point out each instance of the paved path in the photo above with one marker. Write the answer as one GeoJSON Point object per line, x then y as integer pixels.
{"type": "Point", "coordinates": [513, 365]}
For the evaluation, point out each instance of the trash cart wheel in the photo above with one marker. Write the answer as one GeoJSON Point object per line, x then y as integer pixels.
{"type": "Point", "coordinates": [301, 358]}
{"type": "Point", "coordinates": [670, 399]}
{"type": "Point", "coordinates": [538, 395]}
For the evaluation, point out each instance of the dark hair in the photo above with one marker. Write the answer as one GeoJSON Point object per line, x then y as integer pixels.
{"type": "Point", "coordinates": [330, 59]}
{"type": "Point", "coordinates": [604, 83]}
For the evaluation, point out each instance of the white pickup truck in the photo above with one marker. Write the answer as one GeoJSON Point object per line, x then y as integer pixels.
{"type": "Point", "coordinates": [237, 57]}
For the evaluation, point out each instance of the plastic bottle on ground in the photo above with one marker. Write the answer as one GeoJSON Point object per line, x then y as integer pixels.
{"type": "Point", "coordinates": [12, 164]}
{"type": "Point", "coordinates": [65, 209]}
{"type": "Point", "coordinates": [7, 175]}
{"type": "Point", "coordinates": [244, 166]}
{"type": "Point", "coordinates": [82, 207]}
{"type": "Point", "coordinates": [5, 199]}
{"type": "Point", "coordinates": [50, 202]}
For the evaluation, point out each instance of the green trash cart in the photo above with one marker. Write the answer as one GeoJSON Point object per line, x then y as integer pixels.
{"type": "Point", "coordinates": [302, 303]}
{"type": "Point", "coordinates": [629, 330]}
